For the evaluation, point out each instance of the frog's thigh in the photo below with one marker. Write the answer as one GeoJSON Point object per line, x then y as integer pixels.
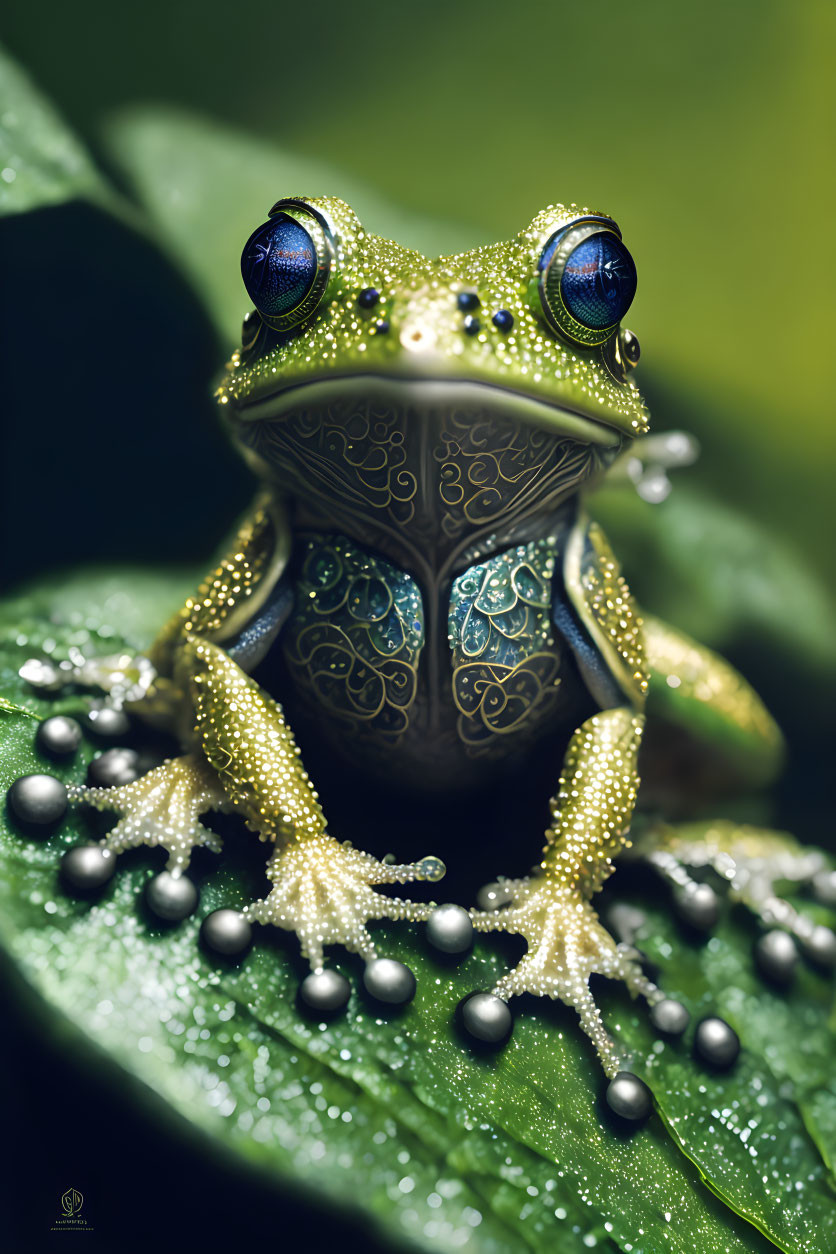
{"type": "Point", "coordinates": [694, 687]}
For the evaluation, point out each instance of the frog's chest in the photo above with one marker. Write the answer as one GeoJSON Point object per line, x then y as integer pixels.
{"type": "Point", "coordinates": [422, 484]}
{"type": "Point", "coordinates": [434, 688]}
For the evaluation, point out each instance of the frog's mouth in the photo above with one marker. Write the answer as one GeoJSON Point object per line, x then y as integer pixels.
{"type": "Point", "coordinates": [423, 395]}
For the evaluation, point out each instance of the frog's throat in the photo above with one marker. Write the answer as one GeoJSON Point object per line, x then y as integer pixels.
{"type": "Point", "coordinates": [436, 394]}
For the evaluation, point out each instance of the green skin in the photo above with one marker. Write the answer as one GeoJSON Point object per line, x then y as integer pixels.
{"type": "Point", "coordinates": [415, 466]}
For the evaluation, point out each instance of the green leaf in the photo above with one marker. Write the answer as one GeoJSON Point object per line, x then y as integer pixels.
{"type": "Point", "coordinates": [41, 160]}
{"type": "Point", "coordinates": [207, 187]}
{"type": "Point", "coordinates": [12, 707]}
{"type": "Point", "coordinates": [393, 1114]}
{"type": "Point", "coordinates": [757, 1119]}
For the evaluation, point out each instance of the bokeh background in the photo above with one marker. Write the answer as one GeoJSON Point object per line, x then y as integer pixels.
{"type": "Point", "coordinates": [706, 130]}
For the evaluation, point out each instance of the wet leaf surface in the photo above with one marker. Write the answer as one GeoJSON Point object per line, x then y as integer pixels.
{"type": "Point", "coordinates": [394, 1113]}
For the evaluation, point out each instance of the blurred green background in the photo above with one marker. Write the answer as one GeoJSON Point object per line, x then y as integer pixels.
{"type": "Point", "coordinates": [705, 129]}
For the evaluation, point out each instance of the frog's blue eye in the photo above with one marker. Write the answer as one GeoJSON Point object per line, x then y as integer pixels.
{"type": "Point", "coordinates": [599, 281]}
{"type": "Point", "coordinates": [278, 266]}
{"type": "Point", "coordinates": [286, 263]}
{"type": "Point", "coordinates": [587, 281]}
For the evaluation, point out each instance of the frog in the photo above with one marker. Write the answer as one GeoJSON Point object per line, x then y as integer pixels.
{"type": "Point", "coordinates": [419, 591]}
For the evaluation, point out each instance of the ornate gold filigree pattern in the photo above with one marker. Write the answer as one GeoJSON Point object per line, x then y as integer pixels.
{"type": "Point", "coordinates": [420, 484]}
{"type": "Point", "coordinates": [505, 661]}
{"type": "Point", "coordinates": [354, 640]}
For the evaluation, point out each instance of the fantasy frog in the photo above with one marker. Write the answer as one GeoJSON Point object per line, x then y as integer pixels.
{"type": "Point", "coordinates": [418, 594]}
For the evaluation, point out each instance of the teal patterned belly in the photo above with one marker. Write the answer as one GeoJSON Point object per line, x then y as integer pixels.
{"type": "Point", "coordinates": [370, 677]}
{"type": "Point", "coordinates": [354, 641]}
{"type": "Point", "coordinates": [505, 662]}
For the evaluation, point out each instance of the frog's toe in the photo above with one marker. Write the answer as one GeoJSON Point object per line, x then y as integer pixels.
{"type": "Point", "coordinates": [160, 808]}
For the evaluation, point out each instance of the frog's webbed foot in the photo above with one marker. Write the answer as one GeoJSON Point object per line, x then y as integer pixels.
{"type": "Point", "coordinates": [161, 808]}
{"type": "Point", "coordinates": [566, 945]}
{"type": "Point", "coordinates": [324, 891]}
{"type": "Point", "coordinates": [753, 861]}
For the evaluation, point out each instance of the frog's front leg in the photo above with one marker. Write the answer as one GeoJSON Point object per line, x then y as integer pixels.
{"type": "Point", "coordinates": [323, 890]}
{"type": "Point", "coordinates": [552, 908]}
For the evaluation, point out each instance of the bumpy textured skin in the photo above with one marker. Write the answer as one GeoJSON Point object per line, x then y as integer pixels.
{"type": "Point", "coordinates": [417, 581]}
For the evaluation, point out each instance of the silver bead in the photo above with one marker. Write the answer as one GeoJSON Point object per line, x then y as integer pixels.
{"type": "Point", "coordinates": [87, 867]}
{"type": "Point", "coordinates": [494, 897]}
{"type": "Point", "coordinates": [716, 1042]}
{"type": "Point", "coordinates": [628, 1096]}
{"type": "Point", "coordinates": [171, 897]}
{"type": "Point", "coordinates": [697, 905]}
{"type": "Point", "coordinates": [820, 946]}
{"type": "Point", "coordinates": [449, 929]}
{"type": "Point", "coordinates": [669, 1016]}
{"type": "Point", "coordinates": [624, 921]}
{"type": "Point", "coordinates": [325, 990]}
{"type": "Point", "coordinates": [824, 887]}
{"type": "Point", "coordinates": [59, 736]}
{"type": "Point", "coordinates": [37, 800]}
{"type": "Point", "coordinates": [487, 1017]}
{"type": "Point", "coordinates": [389, 980]}
{"type": "Point", "coordinates": [108, 722]}
{"type": "Point", "coordinates": [776, 954]}
{"type": "Point", "coordinates": [226, 931]}
{"type": "Point", "coordinates": [114, 767]}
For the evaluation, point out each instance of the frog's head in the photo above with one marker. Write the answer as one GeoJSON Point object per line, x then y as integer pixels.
{"type": "Point", "coordinates": [529, 329]}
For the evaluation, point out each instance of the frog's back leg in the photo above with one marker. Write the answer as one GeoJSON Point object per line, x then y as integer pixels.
{"type": "Point", "coordinates": [752, 861]}
{"type": "Point", "coordinates": [720, 715]}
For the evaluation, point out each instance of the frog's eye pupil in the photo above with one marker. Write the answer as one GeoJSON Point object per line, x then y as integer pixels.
{"type": "Point", "coordinates": [279, 266]}
{"type": "Point", "coordinates": [598, 282]}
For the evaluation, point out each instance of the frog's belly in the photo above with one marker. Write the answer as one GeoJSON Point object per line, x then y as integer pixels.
{"type": "Point", "coordinates": [422, 695]}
